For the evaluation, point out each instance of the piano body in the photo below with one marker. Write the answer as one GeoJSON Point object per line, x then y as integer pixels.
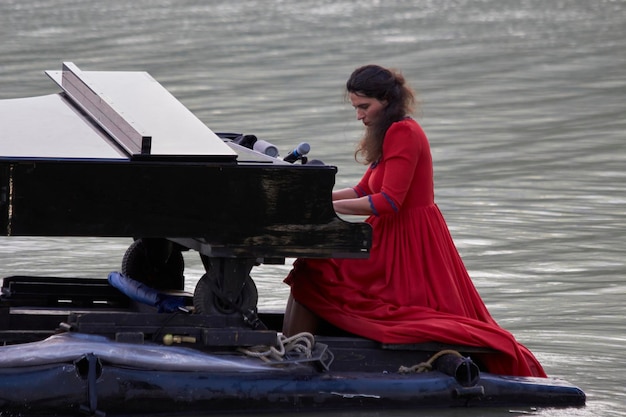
{"type": "Point", "coordinates": [116, 155]}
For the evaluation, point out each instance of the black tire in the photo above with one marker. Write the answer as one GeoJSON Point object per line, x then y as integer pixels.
{"type": "Point", "coordinates": [164, 273]}
{"type": "Point", "coordinates": [206, 301]}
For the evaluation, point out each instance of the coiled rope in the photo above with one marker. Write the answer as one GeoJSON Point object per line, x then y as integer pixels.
{"type": "Point", "coordinates": [428, 365]}
{"type": "Point", "coordinates": [301, 343]}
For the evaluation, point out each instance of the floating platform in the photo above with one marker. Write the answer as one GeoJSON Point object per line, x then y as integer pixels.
{"type": "Point", "coordinates": [76, 345]}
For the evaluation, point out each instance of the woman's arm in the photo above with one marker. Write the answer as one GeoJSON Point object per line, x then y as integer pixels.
{"type": "Point", "coordinates": [358, 206]}
{"type": "Point", "coordinates": [347, 201]}
{"type": "Point", "coordinates": [344, 194]}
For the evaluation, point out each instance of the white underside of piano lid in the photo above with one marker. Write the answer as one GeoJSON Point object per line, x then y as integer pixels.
{"type": "Point", "coordinates": [133, 105]}
{"type": "Point", "coordinates": [48, 127]}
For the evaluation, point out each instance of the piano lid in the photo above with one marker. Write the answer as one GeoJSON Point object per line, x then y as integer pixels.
{"type": "Point", "coordinates": [50, 127]}
{"type": "Point", "coordinates": [106, 114]}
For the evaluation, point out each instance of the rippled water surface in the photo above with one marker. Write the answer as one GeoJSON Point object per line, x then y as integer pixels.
{"type": "Point", "coordinates": [523, 102]}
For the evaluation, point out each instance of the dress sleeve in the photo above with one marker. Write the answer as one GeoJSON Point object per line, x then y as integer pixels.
{"type": "Point", "coordinates": [401, 150]}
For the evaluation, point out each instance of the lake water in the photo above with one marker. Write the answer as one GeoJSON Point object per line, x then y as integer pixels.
{"type": "Point", "coordinates": [524, 103]}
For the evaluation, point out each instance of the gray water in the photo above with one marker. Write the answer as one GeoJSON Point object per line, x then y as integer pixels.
{"type": "Point", "coordinates": [523, 102]}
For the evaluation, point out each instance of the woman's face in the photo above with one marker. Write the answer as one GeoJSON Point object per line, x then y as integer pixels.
{"type": "Point", "coordinates": [368, 109]}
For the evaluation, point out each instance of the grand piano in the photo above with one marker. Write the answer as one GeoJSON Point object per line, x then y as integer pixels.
{"type": "Point", "coordinates": [114, 154]}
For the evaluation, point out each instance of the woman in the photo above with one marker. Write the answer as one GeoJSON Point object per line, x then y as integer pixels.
{"type": "Point", "coordinates": [414, 287]}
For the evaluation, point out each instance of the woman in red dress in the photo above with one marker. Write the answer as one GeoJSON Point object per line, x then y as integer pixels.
{"type": "Point", "coordinates": [414, 287]}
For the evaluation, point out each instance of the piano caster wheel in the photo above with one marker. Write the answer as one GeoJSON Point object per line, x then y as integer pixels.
{"type": "Point", "coordinates": [208, 300]}
{"type": "Point", "coordinates": [154, 263]}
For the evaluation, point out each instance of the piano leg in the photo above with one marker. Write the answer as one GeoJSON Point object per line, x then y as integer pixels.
{"type": "Point", "coordinates": [226, 288]}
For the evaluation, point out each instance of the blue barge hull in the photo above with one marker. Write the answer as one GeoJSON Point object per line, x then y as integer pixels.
{"type": "Point", "coordinates": [76, 373]}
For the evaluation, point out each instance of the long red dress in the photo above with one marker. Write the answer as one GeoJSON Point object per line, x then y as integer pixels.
{"type": "Point", "coordinates": [414, 286]}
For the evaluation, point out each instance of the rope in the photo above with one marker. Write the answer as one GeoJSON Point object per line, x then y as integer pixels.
{"type": "Point", "coordinates": [301, 343]}
{"type": "Point", "coordinates": [428, 365]}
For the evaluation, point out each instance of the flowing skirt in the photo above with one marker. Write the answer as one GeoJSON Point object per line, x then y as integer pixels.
{"type": "Point", "coordinates": [413, 288]}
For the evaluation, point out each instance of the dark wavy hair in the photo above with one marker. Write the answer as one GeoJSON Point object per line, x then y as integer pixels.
{"type": "Point", "coordinates": [383, 84]}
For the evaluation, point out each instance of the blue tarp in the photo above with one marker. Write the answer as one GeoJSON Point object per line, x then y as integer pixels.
{"type": "Point", "coordinates": [140, 292]}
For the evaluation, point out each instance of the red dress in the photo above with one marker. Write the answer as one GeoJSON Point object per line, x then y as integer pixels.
{"type": "Point", "coordinates": [414, 287]}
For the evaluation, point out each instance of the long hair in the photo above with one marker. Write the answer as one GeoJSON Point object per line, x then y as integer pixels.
{"type": "Point", "coordinates": [383, 84]}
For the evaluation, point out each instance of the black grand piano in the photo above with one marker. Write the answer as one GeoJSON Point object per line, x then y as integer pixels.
{"type": "Point", "coordinates": [116, 155]}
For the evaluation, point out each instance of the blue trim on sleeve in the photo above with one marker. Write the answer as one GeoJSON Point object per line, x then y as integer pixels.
{"type": "Point", "coordinates": [374, 211]}
{"type": "Point", "coordinates": [390, 201]}
{"type": "Point", "coordinates": [359, 191]}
